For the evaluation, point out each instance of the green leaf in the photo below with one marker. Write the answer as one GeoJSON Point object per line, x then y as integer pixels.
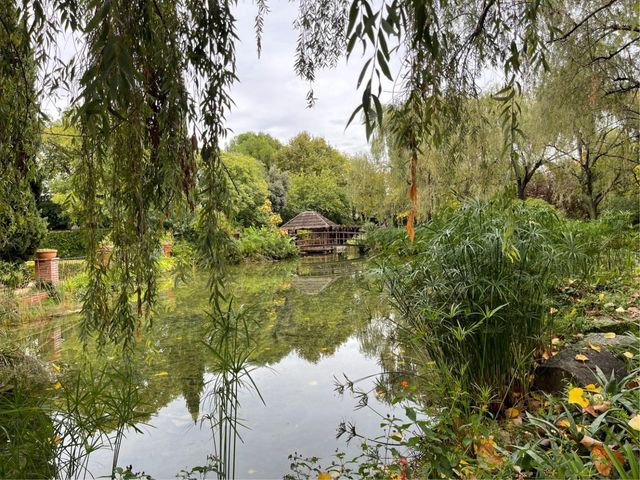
{"type": "Point", "coordinates": [384, 66]}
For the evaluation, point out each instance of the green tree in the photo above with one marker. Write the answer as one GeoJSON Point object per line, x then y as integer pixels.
{"type": "Point", "coordinates": [60, 155]}
{"type": "Point", "coordinates": [21, 227]}
{"type": "Point", "coordinates": [367, 189]}
{"type": "Point", "coordinates": [596, 141]}
{"type": "Point", "coordinates": [278, 182]}
{"type": "Point", "coordinates": [307, 154]}
{"type": "Point", "coordinates": [249, 190]}
{"type": "Point", "coordinates": [261, 146]}
{"type": "Point", "coordinates": [320, 192]}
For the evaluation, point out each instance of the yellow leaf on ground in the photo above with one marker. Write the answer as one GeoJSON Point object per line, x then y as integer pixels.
{"type": "Point", "coordinates": [628, 355]}
{"type": "Point", "coordinates": [161, 374]}
{"type": "Point", "coordinates": [593, 388]}
{"type": "Point", "coordinates": [576, 395]}
{"type": "Point", "coordinates": [555, 341]}
{"type": "Point", "coordinates": [581, 358]}
{"type": "Point", "coordinates": [512, 412]}
{"type": "Point", "coordinates": [324, 476]}
{"type": "Point", "coordinates": [597, 348]}
{"type": "Point", "coordinates": [609, 335]}
{"type": "Point", "coordinates": [57, 385]}
{"type": "Point", "coordinates": [55, 367]}
{"type": "Point", "coordinates": [563, 423]}
{"type": "Point", "coordinates": [485, 449]}
{"type": "Point", "coordinates": [634, 422]}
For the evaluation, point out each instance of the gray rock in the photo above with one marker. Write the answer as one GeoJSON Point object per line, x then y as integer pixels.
{"type": "Point", "coordinates": [552, 376]}
{"type": "Point", "coordinates": [605, 343]}
{"type": "Point", "coordinates": [611, 324]}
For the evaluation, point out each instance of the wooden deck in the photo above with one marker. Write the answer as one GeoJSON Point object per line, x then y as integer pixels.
{"type": "Point", "coordinates": [327, 239]}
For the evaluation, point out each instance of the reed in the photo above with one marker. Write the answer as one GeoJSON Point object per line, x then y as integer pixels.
{"type": "Point", "coordinates": [474, 293]}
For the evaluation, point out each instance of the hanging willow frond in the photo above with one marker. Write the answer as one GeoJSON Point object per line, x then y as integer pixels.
{"type": "Point", "coordinates": [134, 111]}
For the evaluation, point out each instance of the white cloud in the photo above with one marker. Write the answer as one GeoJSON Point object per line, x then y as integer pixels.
{"type": "Point", "coordinates": [271, 98]}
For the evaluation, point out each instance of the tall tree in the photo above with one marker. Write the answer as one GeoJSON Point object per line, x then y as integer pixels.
{"type": "Point", "coordinates": [307, 154]}
{"type": "Point", "coordinates": [20, 124]}
{"type": "Point", "coordinates": [249, 190]}
{"type": "Point", "coordinates": [261, 146]}
{"type": "Point", "coordinates": [320, 192]}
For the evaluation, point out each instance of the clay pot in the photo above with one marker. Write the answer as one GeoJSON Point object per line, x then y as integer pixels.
{"type": "Point", "coordinates": [167, 248]}
{"type": "Point", "coordinates": [46, 253]}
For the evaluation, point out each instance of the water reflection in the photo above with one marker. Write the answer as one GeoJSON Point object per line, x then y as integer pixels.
{"type": "Point", "coordinates": [301, 324]}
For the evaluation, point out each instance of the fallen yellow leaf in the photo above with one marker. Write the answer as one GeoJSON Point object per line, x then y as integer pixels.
{"type": "Point", "coordinates": [609, 335]}
{"type": "Point", "coordinates": [581, 358]}
{"type": "Point", "coordinates": [324, 476]}
{"type": "Point", "coordinates": [628, 355]}
{"type": "Point", "coordinates": [563, 423]}
{"type": "Point", "coordinates": [593, 388]}
{"type": "Point", "coordinates": [555, 341]}
{"type": "Point", "coordinates": [512, 412]}
{"type": "Point", "coordinates": [597, 348]}
{"type": "Point", "coordinates": [161, 374]}
{"type": "Point", "coordinates": [576, 395]}
{"type": "Point", "coordinates": [57, 385]}
{"type": "Point", "coordinates": [634, 422]}
{"type": "Point", "coordinates": [486, 450]}
{"type": "Point", "coordinates": [55, 367]}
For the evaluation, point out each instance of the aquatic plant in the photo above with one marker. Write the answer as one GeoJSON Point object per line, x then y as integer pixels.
{"type": "Point", "coordinates": [473, 296]}
{"type": "Point", "coordinates": [230, 344]}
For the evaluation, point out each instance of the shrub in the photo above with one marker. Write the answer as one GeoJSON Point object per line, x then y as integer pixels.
{"type": "Point", "coordinates": [604, 247]}
{"type": "Point", "coordinates": [69, 243]}
{"type": "Point", "coordinates": [264, 243]}
{"type": "Point", "coordinates": [21, 227]}
{"type": "Point", "coordinates": [13, 274]}
{"type": "Point", "coordinates": [474, 293]}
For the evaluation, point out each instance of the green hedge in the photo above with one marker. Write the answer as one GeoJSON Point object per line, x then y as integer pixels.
{"type": "Point", "coordinates": [69, 243]}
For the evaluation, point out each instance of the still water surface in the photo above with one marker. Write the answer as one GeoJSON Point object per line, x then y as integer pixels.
{"type": "Point", "coordinates": [312, 320]}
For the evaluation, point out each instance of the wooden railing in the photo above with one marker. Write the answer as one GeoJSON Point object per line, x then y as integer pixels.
{"type": "Point", "coordinates": [326, 239]}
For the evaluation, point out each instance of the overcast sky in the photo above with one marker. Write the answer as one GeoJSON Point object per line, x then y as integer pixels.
{"type": "Point", "coordinates": [272, 99]}
{"type": "Point", "coordinates": [269, 96]}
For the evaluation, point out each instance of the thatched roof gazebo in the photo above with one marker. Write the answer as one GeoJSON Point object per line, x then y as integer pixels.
{"type": "Point", "coordinates": [313, 232]}
{"type": "Point", "coordinates": [308, 220]}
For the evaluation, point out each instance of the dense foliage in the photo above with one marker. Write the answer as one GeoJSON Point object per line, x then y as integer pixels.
{"type": "Point", "coordinates": [68, 243]}
{"type": "Point", "coordinates": [264, 243]}
{"type": "Point", "coordinates": [249, 189]}
{"type": "Point", "coordinates": [475, 295]}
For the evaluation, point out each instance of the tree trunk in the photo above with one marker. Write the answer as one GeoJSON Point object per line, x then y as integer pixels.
{"type": "Point", "coordinates": [592, 208]}
{"type": "Point", "coordinates": [522, 189]}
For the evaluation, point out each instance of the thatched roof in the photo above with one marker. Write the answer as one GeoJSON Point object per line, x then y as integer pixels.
{"type": "Point", "coordinates": [308, 221]}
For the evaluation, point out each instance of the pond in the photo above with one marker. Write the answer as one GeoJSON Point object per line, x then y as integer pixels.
{"type": "Point", "coordinates": [310, 322]}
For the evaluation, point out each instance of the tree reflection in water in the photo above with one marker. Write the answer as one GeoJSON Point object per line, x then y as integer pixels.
{"type": "Point", "coordinates": [103, 397]}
